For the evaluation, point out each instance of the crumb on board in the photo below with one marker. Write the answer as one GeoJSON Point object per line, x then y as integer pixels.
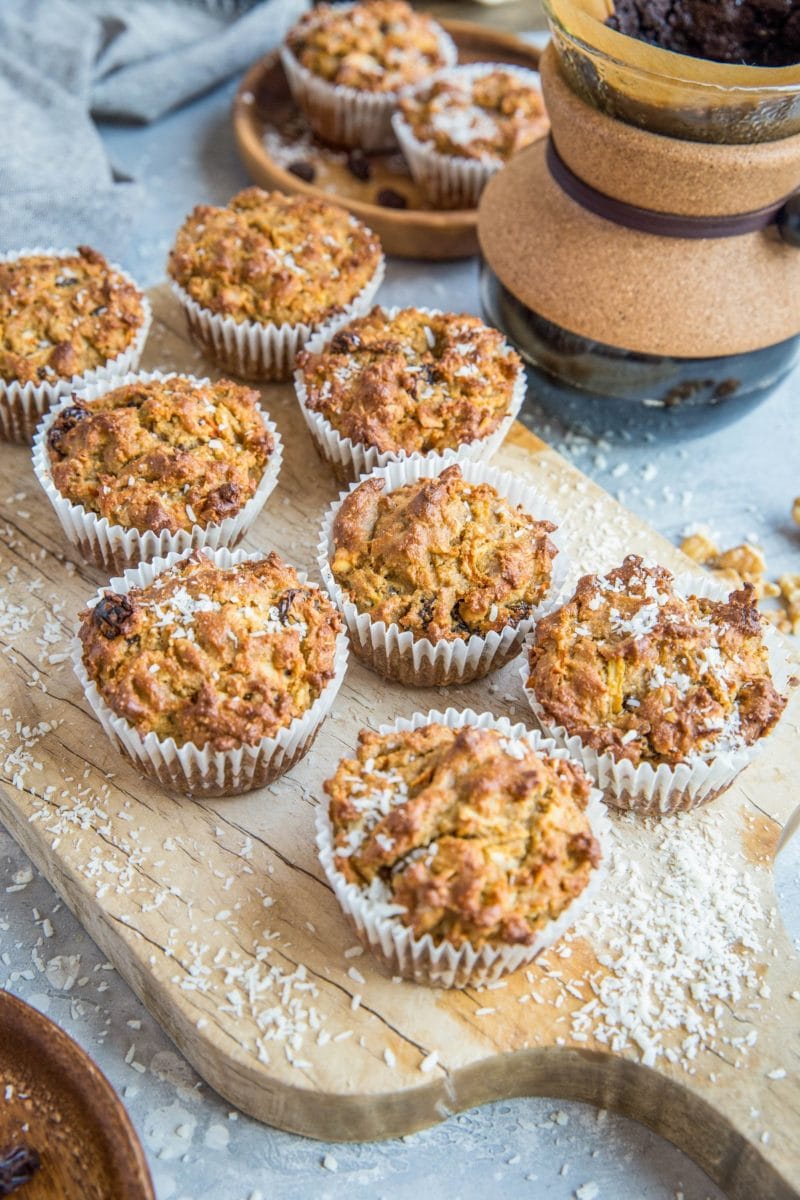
{"type": "Point", "coordinates": [745, 563]}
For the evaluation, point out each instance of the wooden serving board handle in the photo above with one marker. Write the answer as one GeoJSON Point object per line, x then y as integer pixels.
{"type": "Point", "coordinates": [218, 915]}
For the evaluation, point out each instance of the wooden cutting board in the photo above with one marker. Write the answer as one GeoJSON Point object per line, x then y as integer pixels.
{"type": "Point", "coordinates": [219, 917]}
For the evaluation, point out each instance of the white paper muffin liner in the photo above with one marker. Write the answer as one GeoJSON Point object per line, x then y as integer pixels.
{"type": "Point", "coordinates": [347, 116]}
{"type": "Point", "coordinates": [263, 352]}
{"type": "Point", "coordinates": [115, 547]}
{"type": "Point", "coordinates": [189, 769]}
{"type": "Point", "coordinates": [447, 180]}
{"type": "Point", "coordinates": [659, 790]}
{"type": "Point", "coordinates": [445, 965]}
{"type": "Point", "coordinates": [395, 653]}
{"type": "Point", "coordinates": [22, 406]}
{"type": "Point", "coordinates": [348, 459]}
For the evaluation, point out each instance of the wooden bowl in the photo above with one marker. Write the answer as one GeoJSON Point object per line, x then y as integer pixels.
{"type": "Point", "coordinates": [263, 108]}
{"type": "Point", "coordinates": [56, 1101]}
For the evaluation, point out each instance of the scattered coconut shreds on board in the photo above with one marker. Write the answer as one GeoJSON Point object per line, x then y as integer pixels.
{"type": "Point", "coordinates": [676, 945]}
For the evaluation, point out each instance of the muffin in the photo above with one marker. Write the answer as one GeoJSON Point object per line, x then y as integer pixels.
{"type": "Point", "coordinates": [407, 381]}
{"type": "Point", "coordinates": [212, 670]}
{"type": "Point", "coordinates": [438, 569]}
{"type": "Point", "coordinates": [664, 690]}
{"type": "Point", "coordinates": [255, 279]}
{"type": "Point", "coordinates": [66, 318]}
{"type": "Point", "coordinates": [459, 846]}
{"type": "Point", "coordinates": [152, 463]}
{"type": "Point", "coordinates": [346, 64]}
{"type": "Point", "coordinates": [458, 129]}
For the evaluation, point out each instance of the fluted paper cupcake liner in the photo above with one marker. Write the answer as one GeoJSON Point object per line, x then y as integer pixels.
{"type": "Point", "coordinates": [418, 662]}
{"type": "Point", "coordinates": [659, 790]}
{"type": "Point", "coordinates": [348, 459]}
{"type": "Point", "coordinates": [116, 547]}
{"type": "Point", "coordinates": [448, 180]}
{"type": "Point", "coordinates": [347, 116]}
{"type": "Point", "coordinates": [199, 771]}
{"type": "Point", "coordinates": [22, 406]}
{"type": "Point", "coordinates": [263, 352]}
{"type": "Point", "coordinates": [442, 964]}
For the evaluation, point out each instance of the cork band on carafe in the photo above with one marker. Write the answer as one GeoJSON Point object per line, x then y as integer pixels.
{"type": "Point", "coordinates": [663, 224]}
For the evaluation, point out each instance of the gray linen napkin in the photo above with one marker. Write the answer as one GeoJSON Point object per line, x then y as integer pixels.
{"type": "Point", "coordinates": [62, 60]}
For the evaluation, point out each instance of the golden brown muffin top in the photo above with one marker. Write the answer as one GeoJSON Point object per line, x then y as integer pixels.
{"type": "Point", "coordinates": [475, 836]}
{"type": "Point", "coordinates": [441, 557]}
{"type": "Point", "coordinates": [166, 454]}
{"type": "Point", "coordinates": [61, 316]}
{"type": "Point", "coordinates": [644, 674]}
{"type": "Point", "coordinates": [413, 382]}
{"type": "Point", "coordinates": [489, 118]}
{"type": "Point", "coordinates": [220, 657]}
{"type": "Point", "coordinates": [379, 46]}
{"type": "Point", "coordinates": [268, 257]}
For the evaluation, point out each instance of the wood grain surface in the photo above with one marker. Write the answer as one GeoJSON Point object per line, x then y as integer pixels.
{"type": "Point", "coordinates": [263, 105]}
{"type": "Point", "coordinates": [219, 917]}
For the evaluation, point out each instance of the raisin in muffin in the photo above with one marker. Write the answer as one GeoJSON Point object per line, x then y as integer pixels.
{"type": "Point", "coordinates": [645, 674]}
{"type": "Point", "coordinates": [407, 381]}
{"type": "Point", "coordinates": [216, 654]}
{"type": "Point", "coordinates": [256, 277]}
{"type": "Point", "coordinates": [63, 317]}
{"type": "Point", "coordinates": [467, 837]}
{"type": "Point", "coordinates": [439, 562]}
{"type": "Point", "coordinates": [346, 63]}
{"type": "Point", "coordinates": [459, 128]}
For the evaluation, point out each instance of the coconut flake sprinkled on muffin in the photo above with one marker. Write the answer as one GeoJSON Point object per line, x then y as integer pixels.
{"type": "Point", "coordinates": [274, 259]}
{"type": "Point", "coordinates": [441, 557]}
{"type": "Point", "coordinates": [162, 454]}
{"type": "Point", "coordinates": [412, 382]}
{"type": "Point", "coordinates": [464, 834]}
{"type": "Point", "coordinates": [380, 46]}
{"type": "Point", "coordinates": [639, 672]}
{"type": "Point", "coordinates": [63, 315]}
{"type": "Point", "coordinates": [219, 657]}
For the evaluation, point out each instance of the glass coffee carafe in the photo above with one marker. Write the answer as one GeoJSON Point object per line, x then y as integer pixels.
{"type": "Point", "coordinates": [663, 132]}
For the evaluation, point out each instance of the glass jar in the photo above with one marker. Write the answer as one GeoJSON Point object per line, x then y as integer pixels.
{"type": "Point", "coordinates": [668, 93]}
{"type": "Point", "coordinates": [607, 390]}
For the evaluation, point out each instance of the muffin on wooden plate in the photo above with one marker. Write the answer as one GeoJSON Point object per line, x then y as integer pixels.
{"type": "Point", "coordinates": [211, 671]}
{"type": "Point", "coordinates": [439, 568]}
{"type": "Point", "coordinates": [401, 382]}
{"type": "Point", "coordinates": [458, 129]}
{"type": "Point", "coordinates": [152, 463]}
{"type": "Point", "coordinates": [347, 63]}
{"type": "Point", "coordinates": [67, 319]}
{"type": "Point", "coordinates": [663, 688]}
{"type": "Point", "coordinates": [255, 279]}
{"type": "Point", "coordinates": [460, 846]}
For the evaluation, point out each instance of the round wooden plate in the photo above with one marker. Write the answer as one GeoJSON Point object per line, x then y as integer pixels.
{"type": "Point", "coordinates": [55, 1100]}
{"type": "Point", "coordinates": [271, 134]}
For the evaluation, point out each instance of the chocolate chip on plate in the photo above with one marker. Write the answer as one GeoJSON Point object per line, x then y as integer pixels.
{"type": "Point", "coordinates": [18, 1165]}
{"type": "Point", "coordinates": [389, 198]}
{"type": "Point", "coordinates": [359, 165]}
{"type": "Point", "coordinates": [303, 170]}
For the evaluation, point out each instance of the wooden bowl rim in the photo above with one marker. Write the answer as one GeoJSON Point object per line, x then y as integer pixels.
{"type": "Point", "coordinates": [408, 218]}
{"type": "Point", "coordinates": [93, 1090]}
